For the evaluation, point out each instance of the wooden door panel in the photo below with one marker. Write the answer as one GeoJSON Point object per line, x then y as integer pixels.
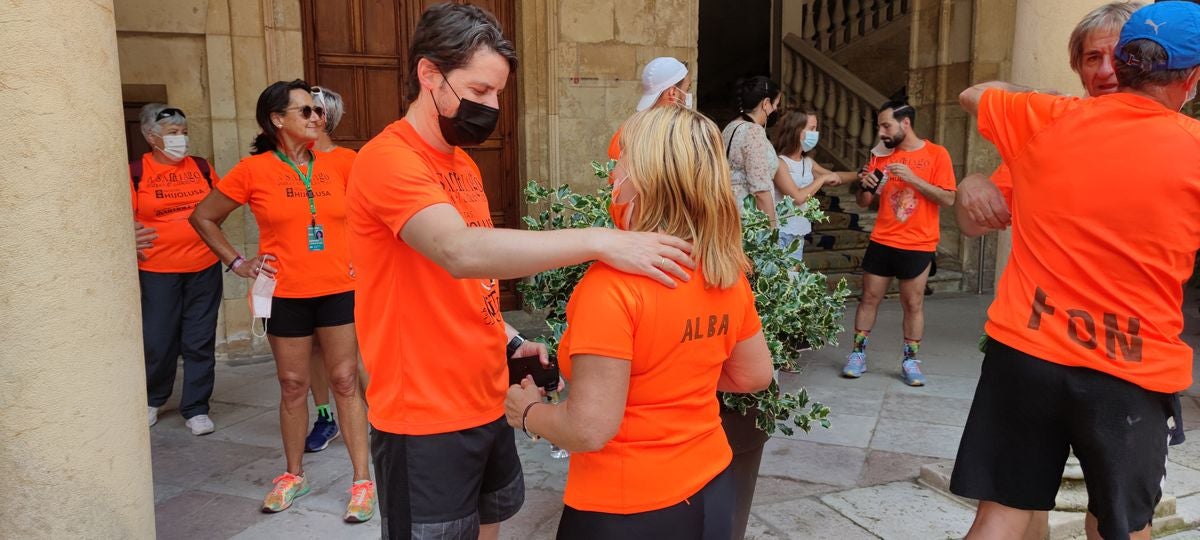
{"type": "Point", "coordinates": [335, 31]}
{"type": "Point", "coordinates": [359, 49]}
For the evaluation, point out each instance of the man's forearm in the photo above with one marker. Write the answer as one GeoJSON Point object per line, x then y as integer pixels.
{"type": "Point", "coordinates": [943, 197]}
{"type": "Point", "coordinates": [969, 98]}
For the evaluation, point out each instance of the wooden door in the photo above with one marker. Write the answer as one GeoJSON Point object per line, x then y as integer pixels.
{"type": "Point", "coordinates": [359, 48]}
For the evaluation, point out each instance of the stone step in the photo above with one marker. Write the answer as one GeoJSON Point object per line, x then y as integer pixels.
{"type": "Point", "coordinates": [841, 239]}
{"type": "Point", "coordinates": [826, 261]}
{"type": "Point", "coordinates": [837, 220]}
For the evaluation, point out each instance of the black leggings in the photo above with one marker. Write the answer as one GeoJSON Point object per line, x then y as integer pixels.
{"type": "Point", "coordinates": [707, 515]}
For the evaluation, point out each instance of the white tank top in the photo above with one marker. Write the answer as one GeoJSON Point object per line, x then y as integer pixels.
{"type": "Point", "coordinates": [801, 173]}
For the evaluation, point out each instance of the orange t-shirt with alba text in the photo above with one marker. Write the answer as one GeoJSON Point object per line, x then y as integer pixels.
{"type": "Point", "coordinates": [432, 344]}
{"type": "Point", "coordinates": [278, 199]}
{"type": "Point", "coordinates": [907, 219]}
{"type": "Point", "coordinates": [1105, 196]}
{"type": "Point", "coordinates": [670, 443]}
{"type": "Point", "coordinates": [164, 200]}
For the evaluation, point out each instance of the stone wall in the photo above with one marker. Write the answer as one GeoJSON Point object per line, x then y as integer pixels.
{"type": "Point", "coordinates": [214, 57]}
{"type": "Point", "coordinates": [581, 71]}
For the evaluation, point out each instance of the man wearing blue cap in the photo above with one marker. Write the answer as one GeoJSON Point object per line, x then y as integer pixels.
{"type": "Point", "coordinates": [1084, 336]}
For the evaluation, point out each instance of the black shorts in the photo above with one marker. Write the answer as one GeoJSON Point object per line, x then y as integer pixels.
{"type": "Point", "coordinates": [707, 515]}
{"type": "Point", "coordinates": [299, 317]}
{"type": "Point", "coordinates": [888, 261]}
{"type": "Point", "coordinates": [1027, 412]}
{"type": "Point", "coordinates": [445, 485]}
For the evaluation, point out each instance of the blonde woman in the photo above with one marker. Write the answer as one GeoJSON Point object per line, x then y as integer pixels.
{"type": "Point", "coordinates": [644, 362]}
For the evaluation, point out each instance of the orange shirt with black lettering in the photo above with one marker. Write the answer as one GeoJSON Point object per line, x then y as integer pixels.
{"type": "Point", "coordinates": [907, 219]}
{"type": "Point", "coordinates": [433, 345]}
{"type": "Point", "coordinates": [164, 200]}
{"type": "Point", "coordinates": [670, 443]}
{"type": "Point", "coordinates": [341, 158]}
{"type": "Point", "coordinates": [278, 199]}
{"type": "Point", "coordinates": [1105, 232]}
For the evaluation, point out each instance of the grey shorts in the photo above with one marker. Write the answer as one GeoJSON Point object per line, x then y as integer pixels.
{"type": "Point", "coordinates": [444, 486]}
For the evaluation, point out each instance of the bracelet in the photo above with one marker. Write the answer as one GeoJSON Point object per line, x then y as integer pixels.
{"type": "Point", "coordinates": [237, 261]}
{"type": "Point", "coordinates": [514, 344]}
{"type": "Point", "coordinates": [524, 416]}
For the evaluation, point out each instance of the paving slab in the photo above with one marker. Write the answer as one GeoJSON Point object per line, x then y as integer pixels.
{"type": "Point", "coordinates": [917, 438]}
{"type": "Point", "coordinates": [902, 510]}
{"type": "Point", "coordinates": [305, 523]}
{"type": "Point", "coordinates": [845, 430]}
{"type": "Point", "coordinates": [807, 519]}
{"type": "Point", "coordinates": [811, 462]}
{"type": "Point", "coordinates": [926, 408]}
{"type": "Point", "coordinates": [200, 515]}
{"type": "Point", "coordinates": [884, 467]}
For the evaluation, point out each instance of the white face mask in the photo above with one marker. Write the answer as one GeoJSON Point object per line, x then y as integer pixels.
{"type": "Point", "coordinates": [175, 147]}
{"type": "Point", "coordinates": [688, 100]}
{"type": "Point", "coordinates": [810, 140]}
{"type": "Point", "coordinates": [260, 300]}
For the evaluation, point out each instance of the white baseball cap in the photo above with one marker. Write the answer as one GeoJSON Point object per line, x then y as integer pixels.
{"type": "Point", "coordinates": [660, 74]}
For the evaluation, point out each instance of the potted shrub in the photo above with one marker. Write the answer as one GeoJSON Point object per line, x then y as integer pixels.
{"type": "Point", "coordinates": [795, 305]}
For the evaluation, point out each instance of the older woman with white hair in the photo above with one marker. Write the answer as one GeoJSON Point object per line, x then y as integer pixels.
{"type": "Point", "coordinates": [180, 277]}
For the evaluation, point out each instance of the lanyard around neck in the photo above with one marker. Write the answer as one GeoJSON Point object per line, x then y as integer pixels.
{"type": "Point", "coordinates": [307, 179]}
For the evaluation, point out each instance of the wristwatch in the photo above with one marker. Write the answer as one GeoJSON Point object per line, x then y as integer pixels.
{"type": "Point", "coordinates": [514, 344]}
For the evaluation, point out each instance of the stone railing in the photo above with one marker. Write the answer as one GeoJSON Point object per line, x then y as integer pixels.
{"type": "Point", "coordinates": [845, 105]}
{"type": "Point", "coordinates": [832, 24]}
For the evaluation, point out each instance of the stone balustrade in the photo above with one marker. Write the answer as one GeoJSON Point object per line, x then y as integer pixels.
{"type": "Point", "coordinates": [832, 24]}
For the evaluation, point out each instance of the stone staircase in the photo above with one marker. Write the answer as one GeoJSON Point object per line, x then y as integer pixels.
{"type": "Point", "coordinates": [836, 247]}
{"type": "Point", "coordinates": [813, 78]}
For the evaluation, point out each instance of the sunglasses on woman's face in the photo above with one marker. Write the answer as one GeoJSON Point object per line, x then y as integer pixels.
{"type": "Point", "coordinates": [308, 110]}
{"type": "Point", "coordinates": [167, 113]}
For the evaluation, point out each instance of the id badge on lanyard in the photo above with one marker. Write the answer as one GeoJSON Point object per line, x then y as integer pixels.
{"type": "Point", "coordinates": [316, 233]}
{"type": "Point", "coordinates": [316, 237]}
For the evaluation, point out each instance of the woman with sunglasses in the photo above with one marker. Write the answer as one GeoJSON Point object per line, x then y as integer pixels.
{"type": "Point", "coordinates": [649, 458]}
{"type": "Point", "coordinates": [179, 276]}
{"type": "Point", "coordinates": [298, 201]}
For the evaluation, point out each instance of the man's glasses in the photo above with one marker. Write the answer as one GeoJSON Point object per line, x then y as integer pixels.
{"type": "Point", "coordinates": [169, 112]}
{"type": "Point", "coordinates": [308, 110]}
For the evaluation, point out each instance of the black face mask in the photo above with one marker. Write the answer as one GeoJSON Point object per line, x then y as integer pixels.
{"type": "Point", "coordinates": [472, 124]}
{"type": "Point", "coordinates": [772, 118]}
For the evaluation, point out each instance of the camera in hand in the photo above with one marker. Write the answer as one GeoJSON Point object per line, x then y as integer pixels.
{"type": "Point", "coordinates": [544, 376]}
{"type": "Point", "coordinates": [881, 181]}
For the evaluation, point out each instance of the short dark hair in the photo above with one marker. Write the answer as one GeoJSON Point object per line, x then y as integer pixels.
{"type": "Point", "coordinates": [274, 99]}
{"type": "Point", "coordinates": [1142, 66]}
{"type": "Point", "coordinates": [749, 91]}
{"type": "Point", "coordinates": [449, 35]}
{"type": "Point", "coordinates": [900, 111]}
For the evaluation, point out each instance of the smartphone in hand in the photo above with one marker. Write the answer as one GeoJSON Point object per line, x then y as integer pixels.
{"type": "Point", "coordinates": [544, 376]}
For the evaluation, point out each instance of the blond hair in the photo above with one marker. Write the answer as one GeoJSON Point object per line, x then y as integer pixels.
{"type": "Point", "coordinates": [675, 158]}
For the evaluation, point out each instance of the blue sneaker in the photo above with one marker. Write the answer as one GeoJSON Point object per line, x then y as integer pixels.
{"type": "Point", "coordinates": [323, 431]}
{"type": "Point", "coordinates": [856, 364]}
{"type": "Point", "coordinates": [911, 372]}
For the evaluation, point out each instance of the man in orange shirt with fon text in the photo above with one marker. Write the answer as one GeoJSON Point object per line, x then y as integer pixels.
{"type": "Point", "coordinates": [912, 178]}
{"type": "Point", "coordinates": [427, 259]}
{"type": "Point", "coordinates": [1084, 343]}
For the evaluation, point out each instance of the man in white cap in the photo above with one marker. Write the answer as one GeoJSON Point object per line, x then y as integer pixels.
{"type": "Point", "coordinates": [665, 80]}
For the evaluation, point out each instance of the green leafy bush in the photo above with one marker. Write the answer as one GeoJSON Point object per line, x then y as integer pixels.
{"type": "Point", "coordinates": [796, 306]}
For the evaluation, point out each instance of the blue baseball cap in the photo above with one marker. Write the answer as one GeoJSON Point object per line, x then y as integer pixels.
{"type": "Point", "coordinates": [1174, 26]}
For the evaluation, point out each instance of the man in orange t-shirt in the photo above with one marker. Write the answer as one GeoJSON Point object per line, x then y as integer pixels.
{"type": "Point", "coordinates": [912, 178]}
{"type": "Point", "coordinates": [427, 304]}
{"type": "Point", "coordinates": [984, 204]}
{"type": "Point", "coordinates": [665, 81]}
{"type": "Point", "coordinates": [1084, 336]}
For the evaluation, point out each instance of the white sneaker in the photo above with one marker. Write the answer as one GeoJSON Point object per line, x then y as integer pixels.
{"type": "Point", "coordinates": [200, 424]}
{"type": "Point", "coordinates": [152, 413]}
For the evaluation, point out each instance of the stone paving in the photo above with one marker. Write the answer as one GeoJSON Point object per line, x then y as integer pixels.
{"type": "Point", "coordinates": [855, 480]}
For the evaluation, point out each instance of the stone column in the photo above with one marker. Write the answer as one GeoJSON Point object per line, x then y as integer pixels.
{"type": "Point", "coordinates": [72, 378]}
